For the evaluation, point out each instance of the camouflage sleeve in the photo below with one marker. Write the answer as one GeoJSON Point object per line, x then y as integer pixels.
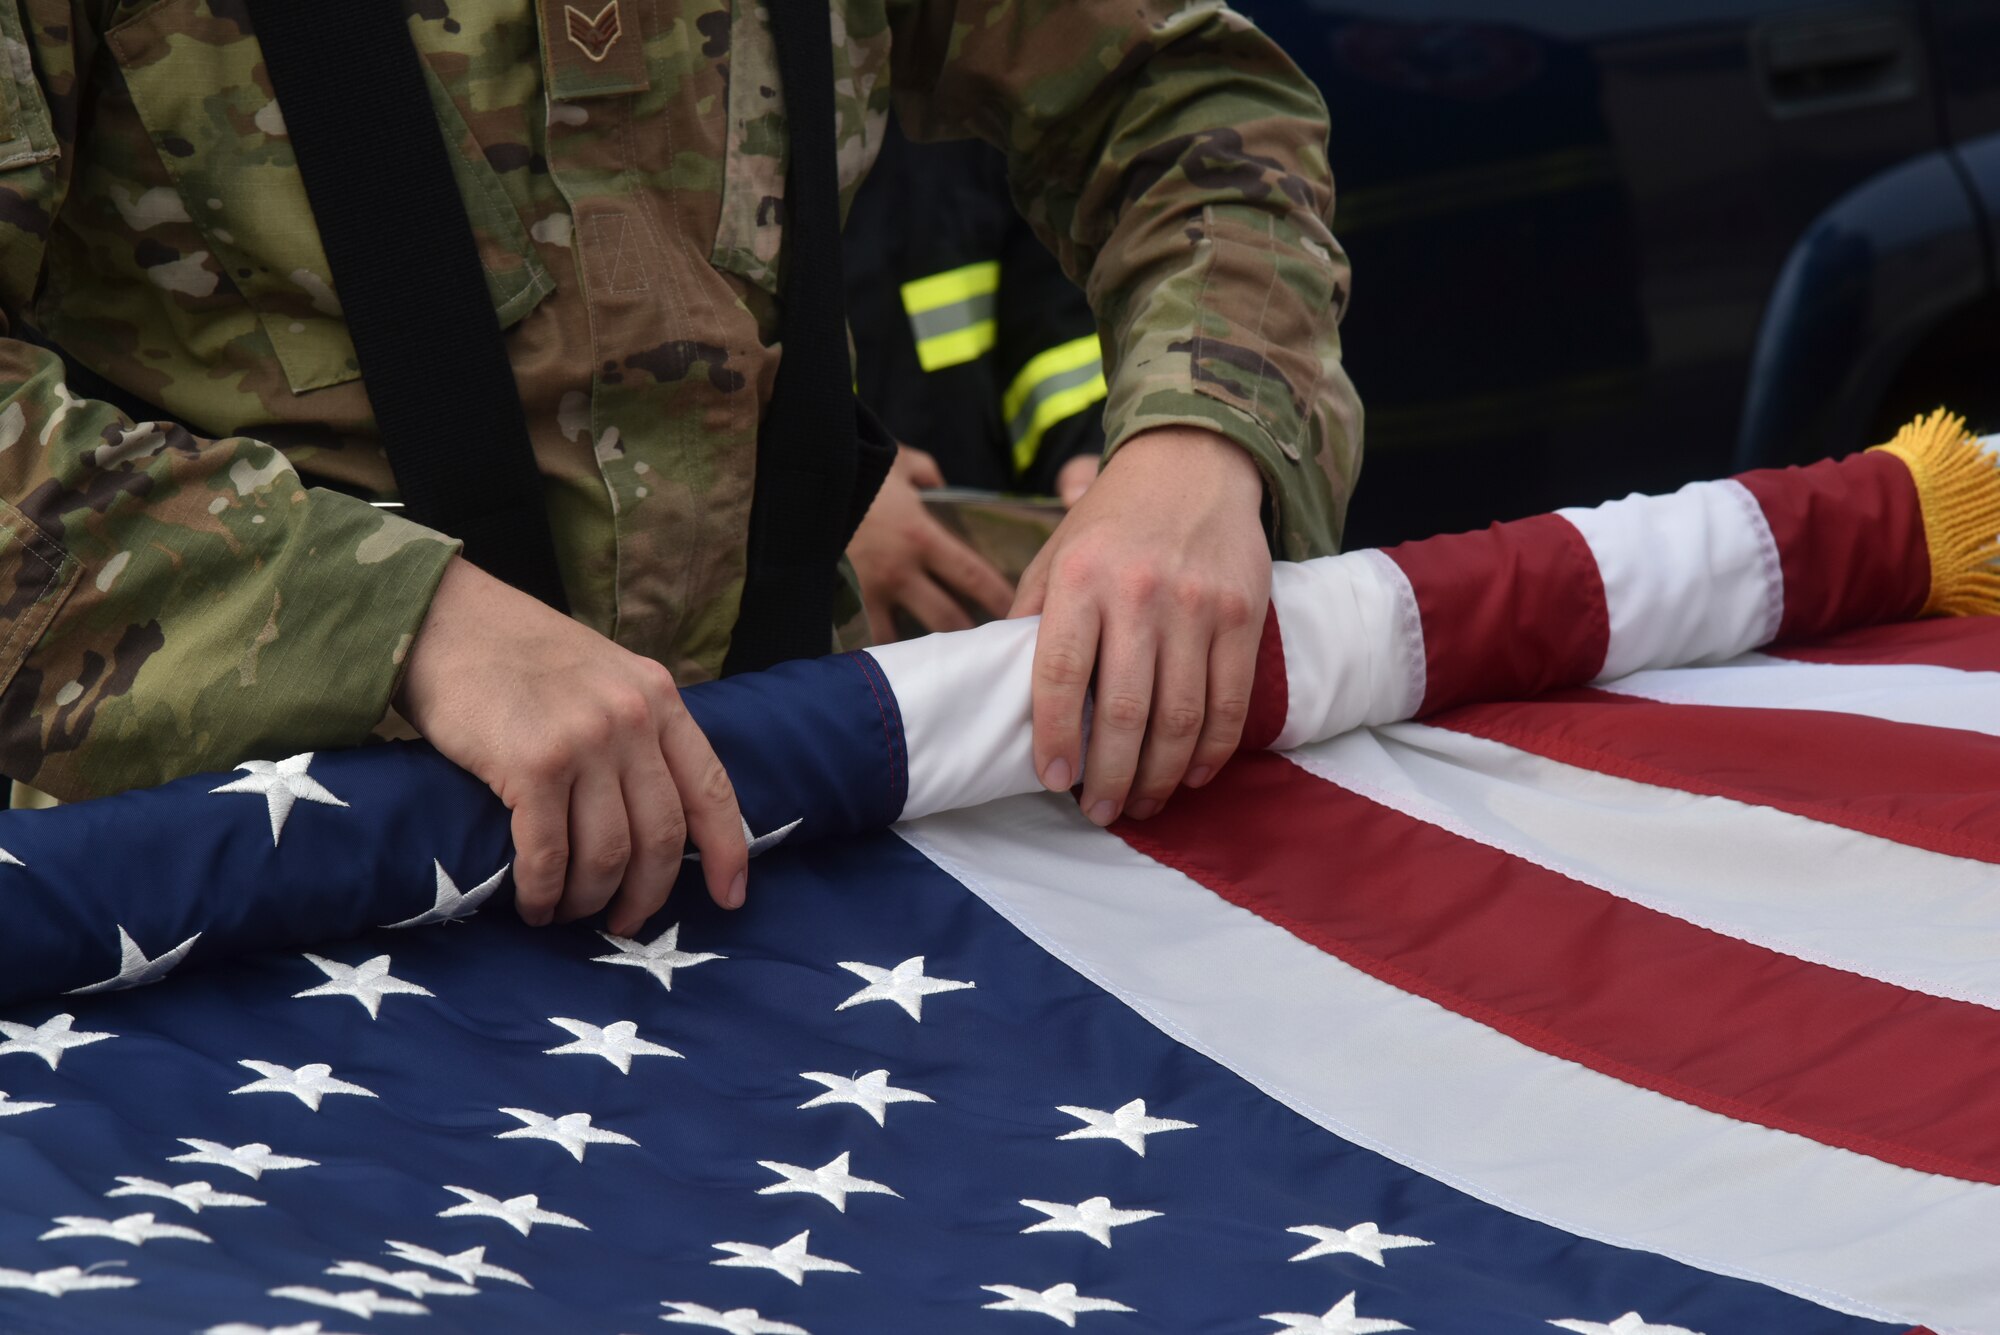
{"type": "Point", "coordinates": [171, 604]}
{"type": "Point", "coordinates": [1175, 160]}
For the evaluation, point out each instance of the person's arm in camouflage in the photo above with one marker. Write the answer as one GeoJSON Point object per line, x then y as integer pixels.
{"type": "Point", "coordinates": [172, 604]}
{"type": "Point", "coordinates": [1175, 161]}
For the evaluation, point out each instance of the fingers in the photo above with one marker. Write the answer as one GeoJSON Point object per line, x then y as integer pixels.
{"type": "Point", "coordinates": [1065, 649]}
{"type": "Point", "coordinates": [541, 851]}
{"type": "Point", "coordinates": [920, 467]}
{"type": "Point", "coordinates": [1232, 673]}
{"type": "Point", "coordinates": [659, 832]}
{"type": "Point", "coordinates": [1125, 670]}
{"type": "Point", "coordinates": [958, 565]}
{"type": "Point", "coordinates": [1179, 703]}
{"type": "Point", "coordinates": [925, 600]}
{"type": "Point", "coordinates": [708, 800]}
{"type": "Point", "coordinates": [1074, 478]}
{"type": "Point", "coordinates": [600, 843]}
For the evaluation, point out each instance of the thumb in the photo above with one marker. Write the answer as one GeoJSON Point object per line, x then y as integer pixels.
{"type": "Point", "coordinates": [1034, 587]}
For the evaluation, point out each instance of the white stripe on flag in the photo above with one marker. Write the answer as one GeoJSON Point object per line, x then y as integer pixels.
{"type": "Point", "coordinates": [1687, 577]}
{"type": "Point", "coordinates": [1448, 1097]}
{"type": "Point", "coordinates": [1354, 644]}
{"type": "Point", "coordinates": [1354, 654]}
{"type": "Point", "coordinates": [1937, 697]}
{"type": "Point", "coordinates": [1916, 919]}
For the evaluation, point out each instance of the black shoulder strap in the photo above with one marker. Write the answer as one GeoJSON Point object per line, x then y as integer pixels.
{"type": "Point", "coordinates": [410, 280]}
{"type": "Point", "coordinates": [820, 458]}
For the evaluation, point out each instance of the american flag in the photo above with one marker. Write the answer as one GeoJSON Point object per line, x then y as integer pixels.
{"type": "Point", "coordinates": [1658, 1005]}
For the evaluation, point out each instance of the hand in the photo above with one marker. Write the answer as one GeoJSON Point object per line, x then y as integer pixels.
{"type": "Point", "coordinates": [1156, 581]}
{"type": "Point", "coordinates": [1074, 478]}
{"type": "Point", "coordinates": [903, 557]}
{"type": "Point", "coordinates": [587, 744]}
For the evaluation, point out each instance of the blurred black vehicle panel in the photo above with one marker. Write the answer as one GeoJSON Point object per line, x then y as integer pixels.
{"type": "Point", "coordinates": [1614, 245]}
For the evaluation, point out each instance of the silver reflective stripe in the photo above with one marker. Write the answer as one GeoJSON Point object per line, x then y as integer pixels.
{"type": "Point", "coordinates": [950, 319]}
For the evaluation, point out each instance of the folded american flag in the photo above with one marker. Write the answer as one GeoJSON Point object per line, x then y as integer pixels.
{"type": "Point", "coordinates": [1654, 1006]}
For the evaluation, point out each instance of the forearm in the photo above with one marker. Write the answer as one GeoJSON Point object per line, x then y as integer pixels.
{"type": "Point", "coordinates": [181, 604]}
{"type": "Point", "coordinates": [1175, 162]}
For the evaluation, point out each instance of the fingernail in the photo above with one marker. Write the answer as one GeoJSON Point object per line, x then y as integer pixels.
{"type": "Point", "coordinates": [1103, 812]}
{"type": "Point", "coordinates": [1199, 775]}
{"type": "Point", "coordinates": [736, 888]}
{"type": "Point", "coordinates": [1142, 809]}
{"type": "Point", "coordinates": [1056, 777]}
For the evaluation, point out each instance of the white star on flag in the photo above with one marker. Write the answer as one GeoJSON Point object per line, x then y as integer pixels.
{"type": "Point", "coordinates": [1338, 1319]}
{"type": "Point", "coordinates": [520, 1213]}
{"type": "Point", "coordinates": [572, 1131]}
{"type": "Point", "coordinates": [413, 1282]}
{"type": "Point", "coordinates": [658, 957]}
{"type": "Point", "coordinates": [906, 985]}
{"type": "Point", "coordinates": [9, 860]}
{"type": "Point", "coordinates": [307, 1084]}
{"type": "Point", "coordinates": [737, 1320]}
{"type": "Point", "coordinates": [617, 1042]}
{"type": "Point", "coordinates": [757, 844]}
{"type": "Point", "coordinates": [64, 1279]}
{"type": "Point", "coordinates": [364, 1303]}
{"type": "Point", "coordinates": [1129, 1125]}
{"type": "Point", "coordinates": [252, 1160]}
{"type": "Point", "coordinates": [133, 1230]}
{"type": "Point", "coordinates": [1094, 1218]}
{"type": "Point", "coordinates": [452, 903]}
{"type": "Point", "coordinates": [49, 1040]}
{"type": "Point", "coordinates": [134, 969]}
{"type": "Point", "coordinates": [11, 1107]}
{"type": "Point", "coordinates": [1629, 1324]}
{"type": "Point", "coordinates": [367, 982]}
{"type": "Point", "coordinates": [1363, 1240]}
{"type": "Point", "coordinates": [789, 1258]}
{"type": "Point", "coordinates": [196, 1196]}
{"type": "Point", "coordinates": [280, 783]}
{"type": "Point", "coordinates": [872, 1093]}
{"type": "Point", "coordinates": [830, 1182]}
{"type": "Point", "coordinates": [1061, 1301]}
{"type": "Point", "coordinates": [469, 1265]}
{"type": "Point", "coordinates": [248, 1328]}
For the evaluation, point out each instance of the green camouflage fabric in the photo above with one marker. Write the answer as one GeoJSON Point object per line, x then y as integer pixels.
{"type": "Point", "coordinates": [178, 600]}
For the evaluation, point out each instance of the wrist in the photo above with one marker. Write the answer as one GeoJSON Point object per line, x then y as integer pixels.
{"type": "Point", "coordinates": [1205, 461]}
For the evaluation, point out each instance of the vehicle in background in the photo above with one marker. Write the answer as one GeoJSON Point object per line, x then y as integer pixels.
{"type": "Point", "coordinates": [1612, 245]}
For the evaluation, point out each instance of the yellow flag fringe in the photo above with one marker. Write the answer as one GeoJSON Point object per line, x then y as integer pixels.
{"type": "Point", "coordinates": [1958, 486]}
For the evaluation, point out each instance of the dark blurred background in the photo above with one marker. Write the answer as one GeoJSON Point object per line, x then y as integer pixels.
{"type": "Point", "coordinates": [1614, 245]}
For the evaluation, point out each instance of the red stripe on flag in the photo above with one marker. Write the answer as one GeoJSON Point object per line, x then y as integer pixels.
{"type": "Point", "coordinates": [1970, 644]}
{"type": "Point", "coordinates": [1927, 787]}
{"type": "Point", "coordinates": [1270, 695]}
{"type": "Point", "coordinates": [1594, 979]}
{"type": "Point", "coordinates": [1508, 612]}
{"type": "Point", "coordinates": [1850, 537]}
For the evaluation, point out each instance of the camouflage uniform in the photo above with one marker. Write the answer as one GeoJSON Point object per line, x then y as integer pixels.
{"type": "Point", "coordinates": [177, 602]}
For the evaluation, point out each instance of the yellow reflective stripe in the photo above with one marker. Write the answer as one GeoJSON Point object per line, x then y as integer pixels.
{"type": "Point", "coordinates": [957, 347]}
{"type": "Point", "coordinates": [1053, 409]}
{"type": "Point", "coordinates": [1043, 365]}
{"type": "Point", "coordinates": [942, 289]}
{"type": "Point", "coordinates": [1054, 385]}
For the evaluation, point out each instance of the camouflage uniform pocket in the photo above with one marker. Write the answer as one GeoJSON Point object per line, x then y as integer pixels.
{"type": "Point", "coordinates": [197, 81]}
{"type": "Point", "coordinates": [43, 575]}
{"type": "Point", "coordinates": [25, 133]}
